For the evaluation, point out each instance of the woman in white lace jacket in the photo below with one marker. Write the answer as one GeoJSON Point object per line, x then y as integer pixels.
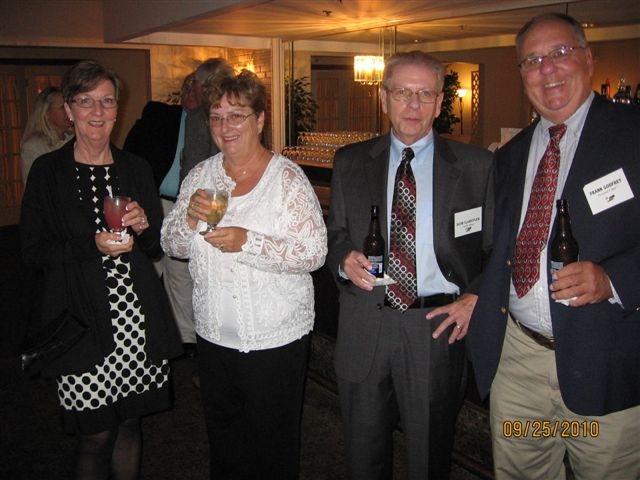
{"type": "Point", "coordinates": [253, 293]}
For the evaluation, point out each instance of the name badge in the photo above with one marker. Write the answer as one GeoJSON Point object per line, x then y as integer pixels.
{"type": "Point", "coordinates": [467, 222]}
{"type": "Point", "coordinates": [608, 191]}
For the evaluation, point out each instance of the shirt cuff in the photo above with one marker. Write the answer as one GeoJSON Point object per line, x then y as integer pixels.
{"type": "Point", "coordinates": [254, 243]}
{"type": "Point", "coordinates": [615, 298]}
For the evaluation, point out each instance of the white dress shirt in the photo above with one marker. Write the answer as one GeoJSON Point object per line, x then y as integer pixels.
{"type": "Point", "coordinates": [532, 310]}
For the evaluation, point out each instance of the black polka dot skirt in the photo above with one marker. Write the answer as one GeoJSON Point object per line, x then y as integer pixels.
{"type": "Point", "coordinates": [126, 383]}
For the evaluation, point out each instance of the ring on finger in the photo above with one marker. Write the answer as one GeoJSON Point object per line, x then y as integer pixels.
{"type": "Point", "coordinates": [458, 326]}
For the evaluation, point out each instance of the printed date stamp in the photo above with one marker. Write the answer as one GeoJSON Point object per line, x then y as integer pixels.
{"type": "Point", "coordinates": [551, 428]}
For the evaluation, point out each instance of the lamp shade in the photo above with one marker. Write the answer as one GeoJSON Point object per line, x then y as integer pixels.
{"type": "Point", "coordinates": [367, 69]}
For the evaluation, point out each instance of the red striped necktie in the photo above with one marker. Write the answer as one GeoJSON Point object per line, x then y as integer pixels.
{"type": "Point", "coordinates": [534, 233]}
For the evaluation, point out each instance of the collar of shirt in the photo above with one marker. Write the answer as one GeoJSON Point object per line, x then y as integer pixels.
{"type": "Point", "coordinates": [574, 128]}
{"type": "Point", "coordinates": [419, 149]}
{"type": "Point", "coordinates": [423, 151]}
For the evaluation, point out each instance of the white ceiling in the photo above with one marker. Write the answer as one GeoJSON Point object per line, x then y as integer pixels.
{"type": "Point", "coordinates": [420, 22]}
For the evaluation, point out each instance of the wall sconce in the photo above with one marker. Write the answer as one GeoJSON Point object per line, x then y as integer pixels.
{"type": "Point", "coordinates": [250, 66]}
{"type": "Point", "coordinates": [460, 93]}
{"type": "Point", "coordinates": [367, 69]}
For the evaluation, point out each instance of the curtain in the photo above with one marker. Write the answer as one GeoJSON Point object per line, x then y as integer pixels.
{"type": "Point", "coordinates": [11, 126]}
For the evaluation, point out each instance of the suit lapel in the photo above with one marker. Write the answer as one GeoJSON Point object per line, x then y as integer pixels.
{"type": "Point", "coordinates": [376, 171]}
{"type": "Point", "coordinates": [516, 178]}
{"type": "Point", "coordinates": [445, 179]}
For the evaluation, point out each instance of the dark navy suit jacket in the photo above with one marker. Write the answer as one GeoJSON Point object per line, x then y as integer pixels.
{"type": "Point", "coordinates": [154, 137]}
{"type": "Point", "coordinates": [597, 346]}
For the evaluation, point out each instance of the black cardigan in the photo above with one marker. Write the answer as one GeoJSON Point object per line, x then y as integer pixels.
{"type": "Point", "coordinates": [59, 251]}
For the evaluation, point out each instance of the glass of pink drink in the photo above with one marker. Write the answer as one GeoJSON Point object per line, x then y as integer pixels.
{"type": "Point", "coordinates": [114, 209]}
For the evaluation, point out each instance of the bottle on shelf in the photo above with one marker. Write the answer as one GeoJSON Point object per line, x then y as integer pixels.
{"type": "Point", "coordinates": [623, 94]}
{"type": "Point", "coordinates": [564, 247]}
{"type": "Point", "coordinates": [605, 89]}
{"type": "Point", "coordinates": [373, 247]}
{"type": "Point", "coordinates": [637, 97]}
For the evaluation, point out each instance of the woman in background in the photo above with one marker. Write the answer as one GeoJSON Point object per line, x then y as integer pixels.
{"type": "Point", "coordinates": [253, 293]}
{"type": "Point", "coordinates": [48, 128]}
{"type": "Point", "coordinates": [119, 370]}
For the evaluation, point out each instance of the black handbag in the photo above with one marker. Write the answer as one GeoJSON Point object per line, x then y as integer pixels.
{"type": "Point", "coordinates": [58, 337]}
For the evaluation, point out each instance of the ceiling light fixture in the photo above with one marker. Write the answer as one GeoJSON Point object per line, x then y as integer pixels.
{"type": "Point", "coordinates": [367, 69]}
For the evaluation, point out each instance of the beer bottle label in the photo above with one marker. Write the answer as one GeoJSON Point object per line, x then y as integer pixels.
{"type": "Point", "coordinates": [377, 265]}
{"type": "Point", "coordinates": [555, 266]}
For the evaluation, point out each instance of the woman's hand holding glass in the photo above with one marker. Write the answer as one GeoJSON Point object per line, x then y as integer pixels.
{"type": "Point", "coordinates": [227, 239]}
{"type": "Point", "coordinates": [120, 212]}
{"type": "Point", "coordinates": [135, 218]}
{"type": "Point", "coordinates": [109, 243]}
{"type": "Point", "coordinates": [198, 208]}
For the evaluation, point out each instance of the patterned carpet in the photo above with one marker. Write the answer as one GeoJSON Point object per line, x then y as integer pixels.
{"type": "Point", "coordinates": [33, 446]}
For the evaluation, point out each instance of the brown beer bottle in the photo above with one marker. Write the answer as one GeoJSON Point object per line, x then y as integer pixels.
{"type": "Point", "coordinates": [564, 248]}
{"type": "Point", "coordinates": [373, 247]}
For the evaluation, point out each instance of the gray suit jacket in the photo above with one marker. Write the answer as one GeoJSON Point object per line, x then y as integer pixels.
{"type": "Point", "coordinates": [463, 180]}
{"type": "Point", "coordinates": [198, 144]}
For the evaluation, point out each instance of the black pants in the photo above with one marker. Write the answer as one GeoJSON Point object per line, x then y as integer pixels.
{"type": "Point", "coordinates": [253, 409]}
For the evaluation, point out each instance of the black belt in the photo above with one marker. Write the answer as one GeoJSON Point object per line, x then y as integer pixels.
{"type": "Point", "coordinates": [537, 337]}
{"type": "Point", "coordinates": [431, 301]}
{"type": "Point", "coordinates": [167, 197]}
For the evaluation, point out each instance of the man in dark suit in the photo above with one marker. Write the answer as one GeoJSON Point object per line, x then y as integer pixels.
{"type": "Point", "coordinates": [396, 361]}
{"type": "Point", "coordinates": [159, 137]}
{"type": "Point", "coordinates": [199, 144]}
{"type": "Point", "coordinates": [564, 377]}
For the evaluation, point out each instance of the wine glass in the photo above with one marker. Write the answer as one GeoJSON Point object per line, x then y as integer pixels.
{"type": "Point", "coordinates": [219, 200]}
{"type": "Point", "coordinates": [114, 209]}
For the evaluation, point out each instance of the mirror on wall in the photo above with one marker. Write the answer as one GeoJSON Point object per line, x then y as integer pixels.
{"type": "Point", "coordinates": [480, 47]}
{"type": "Point", "coordinates": [323, 95]}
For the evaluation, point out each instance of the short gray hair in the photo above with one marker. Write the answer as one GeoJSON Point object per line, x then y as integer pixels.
{"type": "Point", "coordinates": [415, 57]}
{"type": "Point", "coordinates": [572, 23]}
{"type": "Point", "coordinates": [211, 66]}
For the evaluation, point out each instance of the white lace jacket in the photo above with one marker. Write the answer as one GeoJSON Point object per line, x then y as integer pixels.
{"type": "Point", "coordinates": [286, 240]}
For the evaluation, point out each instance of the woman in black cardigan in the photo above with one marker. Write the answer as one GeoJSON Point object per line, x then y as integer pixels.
{"type": "Point", "coordinates": [119, 369]}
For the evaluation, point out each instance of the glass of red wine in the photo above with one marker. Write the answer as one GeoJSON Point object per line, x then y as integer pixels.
{"type": "Point", "coordinates": [114, 209]}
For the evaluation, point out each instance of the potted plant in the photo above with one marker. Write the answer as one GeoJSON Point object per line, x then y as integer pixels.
{"type": "Point", "coordinates": [301, 108]}
{"type": "Point", "coordinates": [447, 119]}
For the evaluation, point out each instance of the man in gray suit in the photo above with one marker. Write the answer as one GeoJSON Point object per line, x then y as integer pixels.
{"type": "Point", "coordinates": [403, 361]}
